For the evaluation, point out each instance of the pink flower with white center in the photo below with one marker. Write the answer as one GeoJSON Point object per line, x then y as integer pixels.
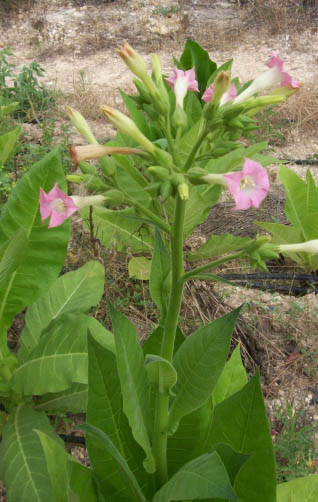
{"type": "Point", "coordinates": [227, 96]}
{"type": "Point", "coordinates": [181, 83]}
{"type": "Point", "coordinates": [56, 205]}
{"type": "Point", "coordinates": [250, 186]}
{"type": "Point", "coordinates": [276, 75]}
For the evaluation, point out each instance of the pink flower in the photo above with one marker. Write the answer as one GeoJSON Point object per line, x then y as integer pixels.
{"type": "Point", "coordinates": [208, 94]}
{"type": "Point", "coordinates": [182, 82]}
{"type": "Point", "coordinates": [276, 75]}
{"type": "Point", "coordinates": [250, 186]}
{"type": "Point", "coordinates": [56, 205]}
{"type": "Point", "coordinates": [227, 96]}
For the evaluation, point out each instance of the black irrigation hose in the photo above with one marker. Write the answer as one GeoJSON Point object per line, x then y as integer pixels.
{"type": "Point", "coordinates": [246, 280]}
{"type": "Point", "coordinates": [310, 162]}
{"type": "Point", "coordinates": [71, 438]}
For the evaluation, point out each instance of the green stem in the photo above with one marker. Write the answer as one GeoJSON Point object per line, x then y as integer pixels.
{"type": "Point", "coordinates": [195, 271]}
{"type": "Point", "coordinates": [170, 326]}
{"type": "Point", "coordinates": [152, 216]}
{"type": "Point", "coordinates": [196, 146]}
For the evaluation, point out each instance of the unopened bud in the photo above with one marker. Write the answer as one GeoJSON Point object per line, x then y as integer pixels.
{"type": "Point", "coordinates": [183, 191]}
{"type": "Point", "coordinates": [179, 118]}
{"type": "Point", "coordinates": [81, 125]}
{"type": "Point", "coordinates": [160, 172]}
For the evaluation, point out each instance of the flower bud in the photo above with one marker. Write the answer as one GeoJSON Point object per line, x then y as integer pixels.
{"type": "Point", "coordinates": [183, 191]}
{"type": "Point", "coordinates": [162, 157]}
{"type": "Point", "coordinates": [160, 172]}
{"type": "Point", "coordinates": [179, 118]}
{"type": "Point", "coordinates": [114, 197]}
{"type": "Point", "coordinates": [81, 125]}
{"type": "Point", "coordinates": [128, 127]}
{"type": "Point", "coordinates": [221, 85]}
{"type": "Point", "coordinates": [141, 88]}
{"type": "Point", "coordinates": [166, 190]}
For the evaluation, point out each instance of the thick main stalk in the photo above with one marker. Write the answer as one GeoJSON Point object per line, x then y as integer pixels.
{"type": "Point", "coordinates": [170, 326]}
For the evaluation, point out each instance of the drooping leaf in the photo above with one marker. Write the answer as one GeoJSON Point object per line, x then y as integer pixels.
{"type": "Point", "coordinates": [218, 245]}
{"type": "Point", "coordinates": [59, 359]}
{"type": "Point", "coordinates": [128, 479]}
{"type": "Point", "coordinates": [199, 363]}
{"type": "Point", "coordinates": [232, 378]}
{"type": "Point", "coordinates": [135, 386]}
{"type": "Point", "coordinates": [202, 478]}
{"type": "Point", "coordinates": [12, 255]}
{"type": "Point", "coordinates": [23, 465]}
{"type": "Point", "coordinates": [241, 422]}
{"type": "Point", "coordinates": [139, 268]}
{"type": "Point", "coordinates": [299, 490]}
{"type": "Point", "coordinates": [76, 291]}
{"type": "Point", "coordinates": [40, 267]}
{"type": "Point", "coordinates": [160, 270]}
{"type": "Point", "coordinates": [105, 411]}
{"type": "Point", "coordinates": [161, 373]}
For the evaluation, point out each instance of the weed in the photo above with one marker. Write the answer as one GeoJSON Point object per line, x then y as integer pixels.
{"type": "Point", "coordinates": [166, 11]}
{"type": "Point", "coordinates": [35, 100]}
{"type": "Point", "coordinates": [295, 447]}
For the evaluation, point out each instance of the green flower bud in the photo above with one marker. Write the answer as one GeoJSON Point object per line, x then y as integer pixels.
{"type": "Point", "coordinates": [166, 189]}
{"type": "Point", "coordinates": [179, 118]}
{"type": "Point", "coordinates": [114, 197]}
{"type": "Point", "coordinates": [183, 191]}
{"type": "Point", "coordinates": [88, 168]}
{"type": "Point", "coordinates": [160, 172]}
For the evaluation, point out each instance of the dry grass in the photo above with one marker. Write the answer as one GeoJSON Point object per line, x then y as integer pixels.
{"type": "Point", "coordinates": [302, 110]}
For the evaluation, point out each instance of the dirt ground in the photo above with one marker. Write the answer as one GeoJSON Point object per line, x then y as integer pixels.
{"type": "Point", "coordinates": [75, 42]}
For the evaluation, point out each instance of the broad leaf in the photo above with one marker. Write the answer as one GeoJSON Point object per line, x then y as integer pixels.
{"type": "Point", "coordinates": [139, 268]}
{"type": "Point", "coordinates": [202, 478]}
{"type": "Point", "coordinates": [105, 411]}
{"type": "Point", "coordinates": [121, 230]}
{"type": "Point", "coordinates": [232, 378]}
{"type": "Point", "coordinates": [296, 198]}
{"type": "Point", "coordinates": [312, 193]}
{"type": "Point", "coordinates": [82, 483]}
{"type": "Point", "coordinates": [160, 270]}
{"type": "Point", "coordinates": [131, 187]}
{"type": "Point", "coordinates": [59, 359]}
{"type": "Point", "coordinates": [12, 255]}
{"type": "Point", "coordinates": [73, 399]}
{"type": "Point", "coordinates": [201, 200]}
{"type": "Point", "coordinates": [74, 291]}
{"type": "Point", "coordinates": [194, 56]}
{"type": "Point", "coordinates": [40, 267]}
{"type": "Point", "coordinates": [199, 363]}
{"type": "Point", "coordinates": [135, 386]}
{"type": "Point", "coordinates": [241, 422]}
{"type": "Point", "coordinates": [301, 489]}
{"type": "Point", "coordinates": [128, 479]}
{"type": "Point", "coordinates": [23, 465]}
{"type": "Point", "coordinates": [218, 245]}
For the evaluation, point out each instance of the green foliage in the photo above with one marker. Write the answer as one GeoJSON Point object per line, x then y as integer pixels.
{"type": "Point", "coordinates": [304, 489]}
{"type": "Point", "coordinates": [295, 443]}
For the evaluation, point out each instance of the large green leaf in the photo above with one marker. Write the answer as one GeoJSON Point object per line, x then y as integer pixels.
{"type": "Point", "coordinates": [74, 291]}
{"type": "Point", "coordinates": [161, 373]}
{"type": "Point", "coordinates": [194, 56]}
{"type": "Point", "coordinates": [299, 490]}
{"type": "Point", "coordinates": [200, 201]}
{"type": "Point", "coordinates": [160, 269]}
{"type": "Point", "coordinates": [135, 386]}
{"type": "Point", "coordinates": [202, 478]}
{"type": "Point", "coordinates": [131, 187]}
{"type": "Point", "coordinates": [120, 229]}
{"type": "Point", "coordinates": [199, 363]}
{"type": "Point", "coordinates": [188, 441]}
{"type": "Point", "coordinates": [12, 254]}
{"type": "Point", "coordinates": [128, 479]}
{"type": "Point", "coordinates": [105, 411]}
{"type": "Point", "coordinates": [73, 399]}
{"type": "Point", "coordinates": [71, 481]}
{"type": "Point", "coordinates": [139, 268]}
{"type": "Point", "coordinates": [41, 266]}
{"type": "Point", "coordinates": [312, 193]}
{"type": "Point", "coordinates": [153, 343]}
{"type": "Point", "coordinates": [59, 359]}
{"type": "Point", "coordinates": [232, 378]}
{"type": "Point", "coordinates": [218, 245]}
{"type": "Point", "coordinates": [23, 466]}
{"type": "Point", "coordinates": [241, 422]}
{"type": "Point", "coordinates": [296, 198]}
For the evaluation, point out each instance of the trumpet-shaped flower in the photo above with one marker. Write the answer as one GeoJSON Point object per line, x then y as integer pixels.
{"type": "Point", "coordinates": [250, 186]}
{"type": "Point", "coordinates": [58, 206]}
{"type": "Point", "coordinates": [302, 247]}
{"type": "Point", "coordinates": [276, 75]}
{"type": "Point", "coordinates": [181, 83]}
